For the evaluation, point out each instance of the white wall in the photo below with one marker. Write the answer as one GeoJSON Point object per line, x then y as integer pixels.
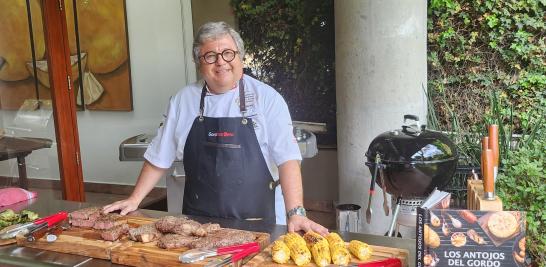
{"type": "Point", "coordinates": [381, 71]}
{"type": "Point", "coordinates": [160, 36]}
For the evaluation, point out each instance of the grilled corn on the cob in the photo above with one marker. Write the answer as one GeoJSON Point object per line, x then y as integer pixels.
{"type": "Point", "coordinates": [280, 251]}
{"type": "Point", "coordinates": [299, 252]}
{"type": "Point", "coordinates": [360, 249]}
{"type": "Point", "coordinates": [339, 252]}
{"type": "Point", "coordinates": [319, 248]}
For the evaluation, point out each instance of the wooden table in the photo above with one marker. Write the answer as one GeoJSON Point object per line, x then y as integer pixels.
{"type": "Point", "coordinates": [13, 255]}
{"type": "Point", "coordinates": [20, 147]}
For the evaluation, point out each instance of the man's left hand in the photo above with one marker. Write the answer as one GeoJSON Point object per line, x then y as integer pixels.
{"type": "Point", "coordinates": [302, 223]}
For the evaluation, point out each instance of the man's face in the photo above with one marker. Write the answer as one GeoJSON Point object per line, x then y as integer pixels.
{"type": "Point", "coordinates": [220, 76]}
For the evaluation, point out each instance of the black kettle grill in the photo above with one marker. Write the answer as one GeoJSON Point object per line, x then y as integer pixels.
{"type": "Point", "coordinates": [412, 161]}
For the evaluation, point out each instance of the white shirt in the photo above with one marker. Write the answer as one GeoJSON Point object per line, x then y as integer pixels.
{"type": "Point", "coordinates": [266, 107]}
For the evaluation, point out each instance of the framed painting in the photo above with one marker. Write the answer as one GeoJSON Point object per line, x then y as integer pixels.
{"type": "Point", "coordinates": [99, 47]}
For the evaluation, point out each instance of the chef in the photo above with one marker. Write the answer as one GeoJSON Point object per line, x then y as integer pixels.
{"type": "Point", "coordinates": [234, 134]}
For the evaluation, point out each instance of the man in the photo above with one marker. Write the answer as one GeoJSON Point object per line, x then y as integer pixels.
{"type": "Point", "coordinates": [233, 132]}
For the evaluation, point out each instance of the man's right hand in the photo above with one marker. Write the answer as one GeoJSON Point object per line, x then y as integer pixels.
{"type": "Point", "coordinates": [124, 206]}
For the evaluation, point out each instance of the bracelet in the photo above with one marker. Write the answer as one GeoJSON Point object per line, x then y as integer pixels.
{"type": "Point", "coordinates": [299, 210]}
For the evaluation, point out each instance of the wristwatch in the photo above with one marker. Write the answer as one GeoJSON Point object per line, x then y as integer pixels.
{"type": "Point", "coordinates": [299, 210]}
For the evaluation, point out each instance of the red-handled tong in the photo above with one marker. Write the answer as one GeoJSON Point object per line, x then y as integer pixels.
{"type": "Point", "coordinates": [194, 255]}
{"type": "Point", "coordinates": [42, 226]}
{"type": "Point", "coordinates": [27, 227]}
{"type": "Point", "coordinates": [236, 257]}
{"type": "Point", "coordinates": [236, 248]}
{"type": "Point", "coordinates": [52, 219]}
{"type": "Point", "coordinates": [390, 262]}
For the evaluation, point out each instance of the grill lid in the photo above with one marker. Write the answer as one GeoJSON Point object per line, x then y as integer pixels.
{"type": "Point", "coordinates": [412, 144]}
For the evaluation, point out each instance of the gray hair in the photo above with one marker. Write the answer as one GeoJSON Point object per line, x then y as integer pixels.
{"type": "Point", "coordinates": [213, 31]}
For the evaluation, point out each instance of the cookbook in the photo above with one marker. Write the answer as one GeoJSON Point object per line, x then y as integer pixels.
{"type": "Point", "coordinates": [470, 238]}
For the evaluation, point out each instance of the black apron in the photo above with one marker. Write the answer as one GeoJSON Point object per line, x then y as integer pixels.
{"type": "Point", "coordinates": [226, 173]}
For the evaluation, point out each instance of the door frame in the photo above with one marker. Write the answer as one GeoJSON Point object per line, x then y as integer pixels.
{"type": "Point", "coordinates": [62, 96]}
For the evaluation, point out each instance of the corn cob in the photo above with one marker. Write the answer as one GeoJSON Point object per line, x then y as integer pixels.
{"type": "Point", "coordinates": [280, 251]}
{"type": "Point", "coordinates": [360, 249]}
{"type": "Point", "coordinates": [340, 254]}
{"type": "Point", "coordinates": [299, 252]}
{"type": "Point", "coordinates": [319, 248]}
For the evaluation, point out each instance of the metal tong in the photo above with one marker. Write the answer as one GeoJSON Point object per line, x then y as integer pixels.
{"type": "Point", "coordinates": [372, 187]}
{"type": "Point", "coordinates": [198, 254]}
{"type": "Point", "coordinates": [33, 226]}
{"type": "Point", "coordinates": [235, 257]}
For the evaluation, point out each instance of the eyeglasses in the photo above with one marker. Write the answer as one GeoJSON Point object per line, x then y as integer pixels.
{"type": "Point", "coordinates": [211, 57]}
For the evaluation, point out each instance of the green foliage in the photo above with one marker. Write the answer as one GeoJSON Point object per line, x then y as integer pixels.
{"type": "Point", "coordinates": [291, 47]}
{"type": "Point", "coordinates": [522, 186]}
{"type": "Point", "coordinates": [482, 46]}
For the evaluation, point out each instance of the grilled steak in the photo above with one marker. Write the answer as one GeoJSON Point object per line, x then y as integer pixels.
{"type": "Point", "coordinates": [145, 233]}
{"type": "Point", "coordinates": [82, 223]}
{"type": "Point", "coordinates": [184, 226]}
{"type": "Point", "coordinates": [169, 241]}
{"type": "Point", "coordinates": [108, 221]}
{"type": "Point", "coordinates": [91, 213]}
{"type": "Point", "coordinates": [205, 229]}
{"type": "Point", "coordinates": [223, 237]}
{"type": "Point", "coordinates": [167, 223]}
{"type": "Point", "coordinates": [115, 232]}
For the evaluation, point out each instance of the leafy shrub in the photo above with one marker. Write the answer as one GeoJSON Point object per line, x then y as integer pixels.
{"type": "Point", "coordinates": [476, 47]}
{"type": "Point", "coordinates": [291, 47]}
{"type": "Point", "coordinates": [522, 186]}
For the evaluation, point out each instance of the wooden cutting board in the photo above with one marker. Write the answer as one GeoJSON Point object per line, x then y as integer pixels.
{"type": "Point", "coordinates": [87, 242]}
{"type": "Point", "coordinates": [379, 253]}
{"type": "Point", "coordinates": [148, 254]}
{"type": "Point", "coordinates": [4, 242]}
{"type": "Point", "coordinates": [82, 241]}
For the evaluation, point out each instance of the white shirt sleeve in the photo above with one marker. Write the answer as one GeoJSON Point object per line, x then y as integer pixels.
{"type": "Point", "coordinates": [162, 150]}
{"type": "Point", "coordinates": [282, 143]}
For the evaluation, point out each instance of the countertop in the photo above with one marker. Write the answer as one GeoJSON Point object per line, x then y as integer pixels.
{"type": "Point", "coordinates": [12, 255]}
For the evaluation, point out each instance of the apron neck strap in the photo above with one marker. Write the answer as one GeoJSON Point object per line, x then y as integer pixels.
{"type": "Point", "coordinates": [242, 103]}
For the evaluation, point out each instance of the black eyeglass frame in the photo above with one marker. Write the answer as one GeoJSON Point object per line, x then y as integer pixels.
{"type": "Point", "coordinates": [221, 54]}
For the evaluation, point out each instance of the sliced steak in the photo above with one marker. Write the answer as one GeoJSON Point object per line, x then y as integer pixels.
{"type": "Point", "coordinates": [169, 241]}
{"type": "Point", "coordinates": [115, 232]}
{"type": "Point", "coordinates": [82, 223]}
{"type": "Point", "coordinates": [91, 213]}
{"type": "Point", "coordinates": [108, 221]}
{"type": "Point", "coordinates": [223, 237]}
{"type": "Point", "coordinates": [145, 233]}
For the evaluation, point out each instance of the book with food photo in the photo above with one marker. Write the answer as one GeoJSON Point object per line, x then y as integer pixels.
{"type": "Point", "coordinates": [470, 238]}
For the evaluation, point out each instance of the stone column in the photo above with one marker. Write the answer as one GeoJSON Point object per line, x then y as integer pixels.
{"type": "Point", "coordinates": [381, 74]}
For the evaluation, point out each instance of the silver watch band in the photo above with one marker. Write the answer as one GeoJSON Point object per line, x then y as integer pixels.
{"type": "Point", "coordinates": [299, 210]}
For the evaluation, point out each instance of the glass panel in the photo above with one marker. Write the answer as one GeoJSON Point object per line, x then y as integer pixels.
{"type": "Point", "coordinates": [158, 66]}
{"type": "Point", "coordinates": [27, 135]}
{"type": "Point", "coordinates": [101, 49]}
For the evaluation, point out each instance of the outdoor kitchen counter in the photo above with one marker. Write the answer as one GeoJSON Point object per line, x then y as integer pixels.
{"type": "Point", "coordinates": [12, 255]}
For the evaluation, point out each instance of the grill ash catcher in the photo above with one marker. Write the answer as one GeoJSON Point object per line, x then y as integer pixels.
{"type": "Point", "coordinates": [409, 163]}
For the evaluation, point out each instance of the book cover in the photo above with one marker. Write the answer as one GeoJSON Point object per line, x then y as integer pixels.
{"type": "Point", "coordinates": [470, 238]}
